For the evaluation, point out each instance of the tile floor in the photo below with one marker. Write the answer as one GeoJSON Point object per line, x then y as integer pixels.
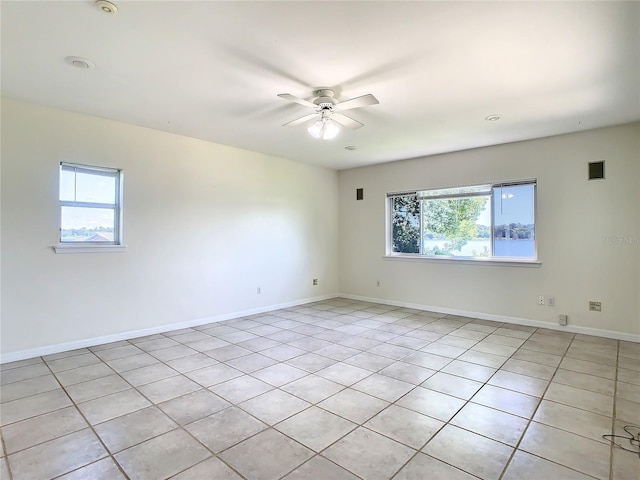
{"type": "Point", "coordinates": [333, 390]}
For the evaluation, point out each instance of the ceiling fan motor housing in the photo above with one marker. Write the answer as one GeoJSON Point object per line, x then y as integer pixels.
{"type": "Point", "coordinates": [325, 98]}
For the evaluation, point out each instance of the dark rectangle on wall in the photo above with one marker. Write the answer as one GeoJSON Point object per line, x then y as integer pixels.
{"type": "Point", "coordinates": [596, 170]}
{"type": "Point", "coordinates": [359, 193]}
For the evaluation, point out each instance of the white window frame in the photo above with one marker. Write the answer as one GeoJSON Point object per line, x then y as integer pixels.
{"type": "Point", "coordinates": [465, 191]}
{"type": "Point", "coordinates": [93, 247]}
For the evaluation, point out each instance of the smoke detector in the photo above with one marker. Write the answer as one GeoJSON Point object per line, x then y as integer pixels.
{"type": "Point", "coordinates": [106, 7]}
{"type": "Point", "coordinates": [79, 62]}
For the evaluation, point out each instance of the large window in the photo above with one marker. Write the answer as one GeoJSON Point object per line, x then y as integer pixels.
{"type": "Point", "coordinates": [480, 221]}
{"type": "Point", "coordinates": [90, 205]}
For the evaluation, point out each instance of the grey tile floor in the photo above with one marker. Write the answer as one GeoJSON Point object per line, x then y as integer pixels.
{"type": "Point", "coordinates": [333, 390]}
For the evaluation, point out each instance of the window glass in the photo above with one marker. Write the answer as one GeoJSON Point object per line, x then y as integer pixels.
{"type": "Point", "coordinates": [475, 221]}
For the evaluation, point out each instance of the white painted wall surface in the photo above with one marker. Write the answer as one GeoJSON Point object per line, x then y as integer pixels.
{"type": "Point", "coordinates": [205, 224]}
{"type": "Point", "coordinates": [575, 217]}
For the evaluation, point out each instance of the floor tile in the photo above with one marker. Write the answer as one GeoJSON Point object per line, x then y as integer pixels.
{"type": "Point", "coordinates": [131, 363]}
{"type": "Point", "coordinates": [579, 453]}
{"type": "Point", "coordinates": [469, 370]}
{"type": "Point", "coordinates": [531, 369]}
{"type": "Point", "coordinates": [118, 352]}
{"type": "Point", "coordinates": [211, 469]}
{"type": "Point", "coordinates": [421, 463]}
{"type": "Point", "coordinates": [104, 469]}
{"type": "Point", "coordinates": [128, 430]}
{"type": "Point", "coordinates": [168, 388]}
{"type": "Point", "coordinates": [251, 363]}
{"type": "Point", "coordinates": [312, 388]}
{"type": "Point", "coordinates": [274, 406]}
{"type": "Point", "coordinates": [75, 361]}
{"type": "Point", "coordinates": [482, 358]}
{"type": "Point", "coordinates": [628, 391]}
{"type": "Point", "coordinates": [383, 387]}
{"type": "Point", "coordinates": [574, 420]}
{"type": "Point", "coordinates": [191, 362]}
{"type": "Point", "coordinates": [495, 424]}
{"type": "Point", "coordinates": [315, 428]}
{"type": "Point", "coordinates": [282, 353]}
{"type": "Point", "coordinates": [452, 385]}
{"type": "Point", "coordinates": [40, 429]}
{"type": "Point", "coordinates": [369, 454]}
{"type": "Point", "coordinates": [171, 353]}
{"type": "Point", "coordinates": [405, 426]}
{"type": "Point", "coordinates": [149, 374]}
{"type": "Point", "coordinates": [267, 455]}
{"type": "Point", "coordinates": [162, 456]}
{"type": "Point", "coordinates": [83, 392]}
{"type": "Point", "coordinates": [83, 374]}
{"type": "Point", "coordinates": [240, 389]}
{"type": "Point", "coordinates": [33, 406]}
{"type": "Point", "coordinates": [317, 468]}
{"type": "Point", "coordinates": [26, 388]}
{"type": "Point", "coordinates": [407, 372]}
{"type": "Point", "coordinates": [280, 374]}
{"type": "Point", "coordinates": [519, 383]}
{"type": "Point", "coordinates": [470, 452]}
{"type": "Point", "coordinates": [443, 350]}
{"type": "Point", "coordinates": [353, 405]}
{"type": "Point", "coordinates": [24, 373]}
{"type": "Point", "coordinates": [112, 406]}
{"type": "Point", "coordinates": [432, 403]}
{"type": "Point", "coordinates": [589, 368]}
{"type": "Point", "coordinates": [525, 466]}
{"type": "Point", "coordinates": [156, 344]}
{"type": "Point", "coordinates": [576, 397]}
{"type": "Point", "coordinates": [311, 362]}
{"type": "Point", "coordinates": [628, 411]}
{"type": "Point", "coordinates": [224, 429]}
{"type": "Point", "coordinates": [193, 406]}
{"type": "Point", "coordinates": [343, 373]}
{"type": "Point", "coordinates": [369, 361]}
{"type": "Point", "coordinates": [56, 457]}
{"type": "Point", "coordinates": [537, 357]}
{"type": "Point", "coordinates": [228, 352]}
{"type": "Point", "coordinates": [213, 374]}
{"type": "Point", "coordinates": [427, 360]}
{"type": "Point", "coordinates": [506, 400]}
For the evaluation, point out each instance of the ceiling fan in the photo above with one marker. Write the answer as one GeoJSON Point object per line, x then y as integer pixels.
{"type": "Point", "coordinates": [327, 109]}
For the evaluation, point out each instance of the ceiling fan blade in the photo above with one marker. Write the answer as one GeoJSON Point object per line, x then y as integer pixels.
{"type": "Point", "coordinates": [346, 121]}
{"type": "Point", "coordinates": [300, 121]}
{"type": "Point", "coordinates": [301, 101]}
{"type": "Point", "coordinates": [357, 102]}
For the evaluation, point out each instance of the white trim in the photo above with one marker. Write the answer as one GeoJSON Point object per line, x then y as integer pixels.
{"type": "Point", "coordinates": [92, 342]}
{"type": "Point", "coordinates": [596, 332]}
{"type": "Point", "coordinates": [87, 248]}
{"type": "Point", "coordinates": [493, 261]}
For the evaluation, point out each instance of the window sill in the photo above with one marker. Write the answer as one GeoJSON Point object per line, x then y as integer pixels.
{"type": "Point", "coordinates": [64, 248]}
{"type": "Point", "coordinates": [501, 262]}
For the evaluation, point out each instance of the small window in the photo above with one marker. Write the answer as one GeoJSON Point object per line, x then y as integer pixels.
{"type": "Point", "coordinates": [479, 221]}
{"type": "Point", "coordinates": [90, 205]}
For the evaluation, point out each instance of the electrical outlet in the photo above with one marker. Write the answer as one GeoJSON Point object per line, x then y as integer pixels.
{"type": "Point", "coordinates": [258, 290]}
{"type": "Point", "coordinates": [563, 319]}
{"type": "Point", "coordinates": [551, 301]}
{"type": "Point", "coordinates": [541, 300]}
{"type": "Point", "coordinates": [595, 306]}
{"type": "Point", "coordinates": [315, 281]}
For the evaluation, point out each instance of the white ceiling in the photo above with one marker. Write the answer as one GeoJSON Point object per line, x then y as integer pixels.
{"type": "Point", "coordinates": [212, 70]}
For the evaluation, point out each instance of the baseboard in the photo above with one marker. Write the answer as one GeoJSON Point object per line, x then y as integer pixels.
{"type": "Point", "coordinates": [630, 337]}
{"type": "Point", "coordinates": [90, 342]}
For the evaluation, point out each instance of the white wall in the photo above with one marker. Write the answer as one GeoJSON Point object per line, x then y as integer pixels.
{"type": "Point", "coordinates": [205, 224]}
{"type": "Point", "coordinates": [574, 215]}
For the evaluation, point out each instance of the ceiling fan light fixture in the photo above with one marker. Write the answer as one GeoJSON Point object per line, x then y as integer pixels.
{"type": "Point", "coordinates": [324, 129]}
